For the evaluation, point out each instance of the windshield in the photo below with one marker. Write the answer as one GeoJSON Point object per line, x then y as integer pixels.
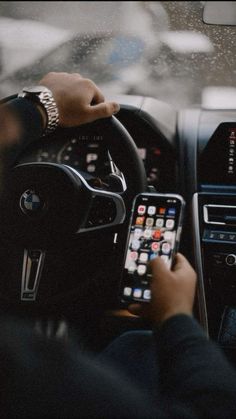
{"type": "Point", "coordinates": [158, 49]}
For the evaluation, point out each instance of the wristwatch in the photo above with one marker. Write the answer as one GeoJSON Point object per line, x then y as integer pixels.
{"type": "Point", "coordinates": [43, 96]}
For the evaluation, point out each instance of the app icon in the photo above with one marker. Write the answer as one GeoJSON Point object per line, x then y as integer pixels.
{"type": "Point", "coordinates": [135, 244]}
{"type": "Point", "coordinates": [166, 247]}
{"type": "Point", "coordinates": [141, 209]}
{"type": "Point", "coordinates": [132, 268]}
{"type": "Point", "coordinates": [147, 233]}
{"type": "Point", "coordinates": [149, 222]}
{"type": "Point", "coordinates": [171, 211]}
{"type": "Point", "coordinates": [155, 247]}
{"type": "Point", "coordinates": [139, 220]}
{"type": "Point", "coordinates": [137, 233]}
{"type": "Point", "coordinates": [169, 235]}
{"type": "Point", "coordinates": [151, 210]}
{"type": "Point", "coordinates": [147, 295]}
{"type": "Point", "coordinates": [127, 291]}
{"type": "Point", "coordinates": [162, 211]}
{"type": "Point", "coordinates": [170, 224]}
{"type": "Point", "coordinates": [142, 269]}
{"type": "Point", "coordinates": [143, 257]}
{"type": "Point", "coordinates": [157, 235]}
{"type": "Point", "coordinates": [160, 222]}
{"type": "Point", "coordinates": [137, 293]}
{"type": "Point", "coordinates": [134, 256]}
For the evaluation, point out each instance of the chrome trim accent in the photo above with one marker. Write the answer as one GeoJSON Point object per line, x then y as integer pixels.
{"type": "Point", "coordinates": [198, 264]}
{"type": "Point", "coordinates": [117, 199]}
{"type": "Point", "coordinates": [205, 213]}
{"type": "Point", "coordinates": [30, 293]}
{"type": "Point", "coordinates": [116, 172]}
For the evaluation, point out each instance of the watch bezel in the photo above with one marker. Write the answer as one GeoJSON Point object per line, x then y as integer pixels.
{"type": "Point", "coordinates": [36, 90]}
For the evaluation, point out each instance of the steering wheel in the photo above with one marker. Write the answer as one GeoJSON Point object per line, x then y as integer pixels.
{"type": "Point", "coordinates": [46, 203]}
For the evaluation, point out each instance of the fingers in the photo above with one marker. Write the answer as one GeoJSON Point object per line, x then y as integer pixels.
{"type": "Point", "coordinates": [139, 309]}
{"type": "Point", "coordinates": [103, 110]}
{"type": "Point", "coordinates": [97, 97]}
{"type": "Point", "coordinates": [158, 267]}
{"type": "Point", "coordinates": [135, 309]}
{"type": "Point", "coordinates": [180, 262]}
{"type": "Point", "coordinates": [182, 265]}
{"type": "Point", "coordinates": [95, 92]}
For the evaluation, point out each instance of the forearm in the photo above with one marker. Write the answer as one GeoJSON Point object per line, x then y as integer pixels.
{"type": "Point", "coordinates": [193, 370]}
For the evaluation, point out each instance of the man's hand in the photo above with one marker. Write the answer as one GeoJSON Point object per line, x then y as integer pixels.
{"type": "Point", "coordinates": [79, 100]}
{"type": "Point", "coordinates": [172, 291]}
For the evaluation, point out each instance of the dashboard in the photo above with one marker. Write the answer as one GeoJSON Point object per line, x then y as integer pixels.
{"type": "Point", "coordinates": [92, 157]}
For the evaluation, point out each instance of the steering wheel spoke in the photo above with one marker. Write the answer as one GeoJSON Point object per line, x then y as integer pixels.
{"type": "Point", "coordinates": [33, 263]}
{"type": "Point", "coordinates": [106, 208]}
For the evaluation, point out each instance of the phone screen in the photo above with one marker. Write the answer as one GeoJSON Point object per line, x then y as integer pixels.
{"type": "Point", "coordinates": [153, 232]}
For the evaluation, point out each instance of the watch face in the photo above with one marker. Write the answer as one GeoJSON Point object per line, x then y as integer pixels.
{"type": "Point", "coordinates": [35, 89]}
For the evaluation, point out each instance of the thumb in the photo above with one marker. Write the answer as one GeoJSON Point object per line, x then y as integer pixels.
{"type": "Point", "coordinates": [103, 110]}
{"type": "Point", "coordinates": [139, 309]}
{"type": "Point", "coordinates": [158, 268]}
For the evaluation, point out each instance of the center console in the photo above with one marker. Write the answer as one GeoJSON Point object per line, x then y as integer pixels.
{"type": "Point", "coordinates": [210, 157]}
{"type": "Point", "coordinates": [215, 236]}
{"type": "Point", "coordinates": [214, 209]}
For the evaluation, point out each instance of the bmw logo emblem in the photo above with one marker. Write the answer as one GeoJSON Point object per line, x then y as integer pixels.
{"type": "Point", "coordinates": [30, 202]}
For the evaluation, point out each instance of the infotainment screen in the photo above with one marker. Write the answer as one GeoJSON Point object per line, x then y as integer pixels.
{"type": "Point", "coordinates": [217, 161]}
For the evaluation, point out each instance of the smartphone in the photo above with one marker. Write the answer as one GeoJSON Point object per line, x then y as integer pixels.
{"type": "Point", "coordinates": [154, 231]}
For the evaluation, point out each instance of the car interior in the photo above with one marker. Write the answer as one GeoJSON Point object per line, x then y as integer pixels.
{"type": "Point", "coordinates": [175, 133]}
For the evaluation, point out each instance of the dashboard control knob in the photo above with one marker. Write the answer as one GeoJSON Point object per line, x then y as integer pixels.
{"type": "Point", "coordinates": [230, 260]}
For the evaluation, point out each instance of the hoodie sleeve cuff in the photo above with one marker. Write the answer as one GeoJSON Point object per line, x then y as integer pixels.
{"type": "Point", "coordinates": [30, 118]}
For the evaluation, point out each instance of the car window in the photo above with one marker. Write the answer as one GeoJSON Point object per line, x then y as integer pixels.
{"type": "Point", "coordinates": [158, 49]}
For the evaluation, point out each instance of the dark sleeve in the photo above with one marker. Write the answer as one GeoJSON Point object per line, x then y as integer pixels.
{"type": "Point", "coordinates": [44, 378]}
{"type": "Point", "coordinates": [194, 371]}
{"type": "Point", "coordinates": [29, 117]}
{"type": "Point", "coordinates": [32, 127]}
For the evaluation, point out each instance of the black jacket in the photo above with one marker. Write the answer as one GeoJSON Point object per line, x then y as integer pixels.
{"type": "Point", "coordinates": [42, 377]}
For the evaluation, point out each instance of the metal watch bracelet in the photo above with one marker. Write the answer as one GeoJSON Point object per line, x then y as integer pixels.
{"type": "Point", "coordinates": [43, 96]}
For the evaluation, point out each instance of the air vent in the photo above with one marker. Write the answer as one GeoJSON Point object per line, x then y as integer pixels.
{"type": "Point", "coordinates": [219, 214]}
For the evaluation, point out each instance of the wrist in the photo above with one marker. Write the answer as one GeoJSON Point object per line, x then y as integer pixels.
{"type": "Point", "coordinates": [43, 98]}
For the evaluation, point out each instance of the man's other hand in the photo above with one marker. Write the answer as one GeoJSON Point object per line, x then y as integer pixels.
{"type": "Point", "coordinates": [172, 291]}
